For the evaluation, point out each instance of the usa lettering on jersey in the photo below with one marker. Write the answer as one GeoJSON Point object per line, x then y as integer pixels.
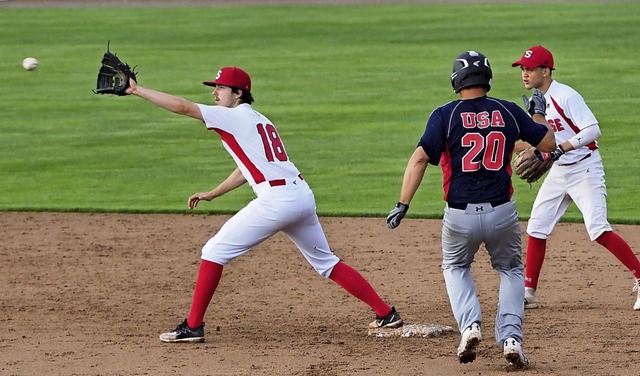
{"type": "Point", "coordinates": [482, 119]}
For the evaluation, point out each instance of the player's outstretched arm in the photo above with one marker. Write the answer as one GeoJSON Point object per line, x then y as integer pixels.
{"type": "Point", "coordinates": [169, 102]}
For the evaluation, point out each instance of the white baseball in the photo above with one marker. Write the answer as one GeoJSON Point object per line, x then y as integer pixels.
{"type": "Point", "coordinates": [30, 63]}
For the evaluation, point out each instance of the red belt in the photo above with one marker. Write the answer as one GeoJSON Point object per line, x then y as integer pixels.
{"type": "Point", "coordinates": [279, 182]}
{"type": "Point", "coordinates": [581, 159]}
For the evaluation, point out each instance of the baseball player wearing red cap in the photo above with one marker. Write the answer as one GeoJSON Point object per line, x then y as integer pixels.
{"type": "Point", "coordinates": [577, 174]}
{"type": "Point", "coordinates": [284, 202]}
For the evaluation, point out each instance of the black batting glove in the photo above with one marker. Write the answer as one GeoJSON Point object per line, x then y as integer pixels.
{"type": "Point", "coordinates": [396, 215]}
{"type": "Point", "coordinates": [556, 154]}
{"type": "Point", "coordinates": [537, 104]}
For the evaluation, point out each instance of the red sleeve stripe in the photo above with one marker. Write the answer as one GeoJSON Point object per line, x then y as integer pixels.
{"type": "Point", "coordinates": [576, 130]}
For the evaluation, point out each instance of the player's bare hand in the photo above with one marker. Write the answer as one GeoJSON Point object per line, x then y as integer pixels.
{"type": "Point", "coordinates": [133, 85]}
{"type": "Point", "coordinates": [195, 199]}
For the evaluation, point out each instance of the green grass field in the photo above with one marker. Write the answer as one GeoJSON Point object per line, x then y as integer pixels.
{"type": "Point", "coordinates": [349, 88]}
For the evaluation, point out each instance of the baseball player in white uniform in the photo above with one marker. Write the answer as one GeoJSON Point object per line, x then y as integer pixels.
{"type": "Point", "coordinates": [284, 202]}
{"type": "Point", "coordinates": [577, 174]}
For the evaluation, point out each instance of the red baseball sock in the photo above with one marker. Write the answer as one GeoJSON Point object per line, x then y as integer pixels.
{"type": "Point", "coordinates": [619, 248]}
{"type": "Point", "coordinates": [355, 284]}
{"type": "Point", "coordinates": [209, 276]}
{"type": "Point", "coordinates": [536, 248]}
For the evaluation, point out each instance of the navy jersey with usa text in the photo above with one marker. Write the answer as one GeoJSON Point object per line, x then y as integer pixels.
{"type": "Point", "coordinates": [473, 140]}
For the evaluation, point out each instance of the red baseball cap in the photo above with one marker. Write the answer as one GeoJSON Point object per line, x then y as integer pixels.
{"type": "Point", "coordinates": [231, 76]}
{"type": "Point", "coordinates": [534, 57]}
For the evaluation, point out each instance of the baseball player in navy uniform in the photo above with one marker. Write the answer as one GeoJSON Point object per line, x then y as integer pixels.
{"type": "Point", "coordinates": [577, 175]}
{"type": "Point", "coordinates": [473, 140]}
{"type": "Point", "coordinates": [284, 202]}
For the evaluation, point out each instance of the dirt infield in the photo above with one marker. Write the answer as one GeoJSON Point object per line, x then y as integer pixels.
{"type": "Point", "coordinates": [88, 294]}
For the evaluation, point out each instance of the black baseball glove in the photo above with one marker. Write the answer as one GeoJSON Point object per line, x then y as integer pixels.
{"type": "Point", "coordinates": [113, 76]}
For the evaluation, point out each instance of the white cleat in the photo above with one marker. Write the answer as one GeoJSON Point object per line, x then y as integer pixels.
{"type": "Point", "coordinates": [471, 337]}
{"type": "Point", "coordinates": [530, 299]}
{"type": "Point", "coordinates": [514, 354]}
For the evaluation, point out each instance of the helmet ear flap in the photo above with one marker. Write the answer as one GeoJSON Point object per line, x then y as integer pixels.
{"type": "Point", "coordinates": [454, 81]}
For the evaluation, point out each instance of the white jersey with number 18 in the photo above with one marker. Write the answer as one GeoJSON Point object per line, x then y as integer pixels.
{"type": "Point", "coordinates": [253, 142]}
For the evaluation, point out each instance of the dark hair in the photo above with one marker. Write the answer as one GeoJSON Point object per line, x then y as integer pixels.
{"type": "Point", "coordinates": [246, 95]}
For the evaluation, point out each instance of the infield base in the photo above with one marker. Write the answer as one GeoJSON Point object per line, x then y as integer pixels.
{"type": "Point", "coordinates": [412, 330]}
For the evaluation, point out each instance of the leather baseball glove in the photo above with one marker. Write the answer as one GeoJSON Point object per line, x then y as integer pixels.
{"type": "Point", "coordinates": [113, 76]}
{"type": "Point", "coordinates": [531, 164]}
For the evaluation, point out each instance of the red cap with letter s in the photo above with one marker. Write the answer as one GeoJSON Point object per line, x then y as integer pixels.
{"type": "Point", "coordinates": [231, 76]}
{"type": "Point", "coordinates": [535, 57]}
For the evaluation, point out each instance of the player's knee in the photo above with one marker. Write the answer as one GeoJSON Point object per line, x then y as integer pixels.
{"type": "Point", "coordinates": [326, 269]}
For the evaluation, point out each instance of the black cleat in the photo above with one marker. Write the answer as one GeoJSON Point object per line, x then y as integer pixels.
{"type": "Point", "coordinates": [182, 333]}
{"type": "Point", "coordinates": [392, 320]}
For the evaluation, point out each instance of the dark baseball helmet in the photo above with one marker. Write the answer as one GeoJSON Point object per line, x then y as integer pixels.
{"type": "Point", "coordinates": [471, 68]}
